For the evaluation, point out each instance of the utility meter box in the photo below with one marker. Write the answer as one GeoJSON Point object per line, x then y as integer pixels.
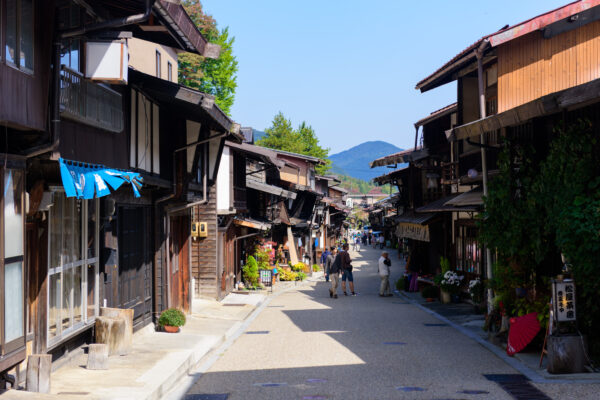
{"type": "Point", "coordinates": [199, 230]}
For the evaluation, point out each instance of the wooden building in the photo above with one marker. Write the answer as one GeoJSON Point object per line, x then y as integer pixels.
{"type": "Point", "coordinates": [148, 147]}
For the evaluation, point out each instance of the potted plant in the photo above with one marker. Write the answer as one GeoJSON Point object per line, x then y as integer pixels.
{"type": "Point", "coordinates": [430, 293]}
{"type": "Point", "coordinates": [450, 285]}
{"type": "Point", "coordinates": [477, 291]}
{"type": "Point", "coordinates": [170, 320]}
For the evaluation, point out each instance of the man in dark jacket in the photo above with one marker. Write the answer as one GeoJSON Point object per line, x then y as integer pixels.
{"type": "Point", "coordinates": [346, 270]}
{"type": "Point", "coordinates": [333, 266]}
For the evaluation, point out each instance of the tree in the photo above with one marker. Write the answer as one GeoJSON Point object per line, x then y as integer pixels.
{"type": "Point", "coordinates": [282, 136]}
{"type": "Point", "coordinates": [216, 77]}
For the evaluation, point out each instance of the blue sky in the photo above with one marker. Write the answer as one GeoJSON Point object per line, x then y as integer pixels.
{"type": "Point", "coordinates": [349, 68]}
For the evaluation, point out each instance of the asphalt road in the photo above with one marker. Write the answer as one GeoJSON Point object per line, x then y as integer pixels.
{"type": "Point", "coordinates": [305, 345]}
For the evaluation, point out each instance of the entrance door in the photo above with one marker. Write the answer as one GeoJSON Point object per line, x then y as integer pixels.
{"type": "Point", "coordinates": [135, 267]}
{"type": "Point", "coordinates": [179, 253]}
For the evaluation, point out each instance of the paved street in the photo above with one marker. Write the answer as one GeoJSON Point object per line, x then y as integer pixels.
{"type": "Point", "coordinates": [305, 345]}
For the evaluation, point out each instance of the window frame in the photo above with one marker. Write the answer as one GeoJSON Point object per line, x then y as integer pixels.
{"type": "Point", "coordinates": [7, 349]}
{"type": "Point", "coordinates": [169, 71]}
{"type": "Point", "coordinates": [158, 60]}
{"type": "Point", "coordinates": [83, 262]}
{"type": "Point", "coordinates": [18, 32]}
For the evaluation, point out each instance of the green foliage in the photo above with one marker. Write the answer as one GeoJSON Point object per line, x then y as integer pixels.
{"type": "Point", "coordinates": [444, 264]}
{"type": "Point", "coordinates": [250, 271]}
{"type": "Point", "coordinates": [171, 317]}
{"type": "Point", "coordinates": [262, 258]}
{"type": "Point", "coordinates": [400, 284]}
{"type": "Point", "coordinates": [570, 188]}
{"type": "Point", "coordinates": [316, 268]}
{"type": "Point", "coordinates": [285, 275]}
{"type": "Point", "coordinates": [364, 187]}
{"type": "Point", "coordinates": [513, 219]}
{"type": "Point", "coordinates": [301, 276]}
{"type": "Point", "coordinates": [282, 136]}
{"type": "Point", "coordinates": [217, 77]}
{"type": "Point", "coordinates": [541, 307]}
{"type": "Point", "coordinates": [430, 291]}
{"type": "Point", "coordinates": [299, 267]}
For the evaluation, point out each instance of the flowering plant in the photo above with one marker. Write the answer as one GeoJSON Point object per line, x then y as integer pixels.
{"type": "Point", "coordinates": [476, 290]}
{"type": "Point", "coordinates": [451, 282]}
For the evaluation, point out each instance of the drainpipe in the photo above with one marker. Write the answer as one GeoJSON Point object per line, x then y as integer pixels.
{"type": "Point", "coordinates": [482, 114]}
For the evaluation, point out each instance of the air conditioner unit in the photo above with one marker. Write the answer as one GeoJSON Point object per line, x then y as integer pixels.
{"type": "Point", "coordinates": [107, 61]}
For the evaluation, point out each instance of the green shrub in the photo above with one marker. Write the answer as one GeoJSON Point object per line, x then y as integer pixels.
{"type": "Point", "coordinates": [316, 268]}
{"type": "Point", "coordinates": [400, 283]}
{"type": "Point", "coordinates": [301, 276]}
{"type": "Point", "coordinates": [429, 292]}
{"type": "Point", "coordinates": [172, 317]}
{"type": "Point", "coordinates": [299, 267]}
{"type": "Point", "coordinates": [285, 275]}
{"type": "Point", "coordinates": [250, 271]}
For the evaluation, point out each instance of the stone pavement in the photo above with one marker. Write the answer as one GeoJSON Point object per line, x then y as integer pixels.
{"type": "Point", "coordinates": [305, 345]}
{"type": "Point", "coordinates": [159, 360]}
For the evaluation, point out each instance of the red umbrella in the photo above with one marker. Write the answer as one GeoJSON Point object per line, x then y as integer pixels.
{"type": "Point", "coordinates": [522, 331]}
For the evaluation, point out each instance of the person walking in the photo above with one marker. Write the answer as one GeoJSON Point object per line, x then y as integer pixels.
{"type": "Point", "coordinates": [375, 241]}
{"type": "Point", "coordinates": [413, 267]}
{"type": "Point", "coordinates": [381, 241]}
{"type": "Point", "coordinates": [346, 262]}
{"type": "Point", "coordinates": [384, 273]}
{"type": "Point", "coordinates": [356, 244]}
{"type": "Point", "coordinates": [323, 260]}
{"type": "Point", "coordinates": [333, 267]}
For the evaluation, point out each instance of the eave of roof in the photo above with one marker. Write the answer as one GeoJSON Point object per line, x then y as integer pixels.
{"type": "Point", "coordinates": [301, 156]}
{"type": "Point", "coordinates": [449, 109]}
{"type": "Point", "coordinates": [390, 176]}
{"type": "Point", "coordinates": [442, 75]}
{"type": "Point", "coordinates": [401, 157]}
{"type": "Point", "coordinates": [266, 155]}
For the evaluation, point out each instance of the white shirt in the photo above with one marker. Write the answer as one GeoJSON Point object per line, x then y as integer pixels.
{"type": "Point", "coordinates": [381, 239]}
{"type": "Point", "coordinates": [384, 270]}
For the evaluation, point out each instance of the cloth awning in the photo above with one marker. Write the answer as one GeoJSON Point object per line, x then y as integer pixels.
{"type": "Point", "coordinates": [471, 198]}
{"type": "Point", "coordinates": [276, 190]}
{"type": "Point", "coordinates": [86, 181]}
{"type": "Point", "coordinates": [252, 223]}
{"type": "Point", "coordinates": [414, 226]}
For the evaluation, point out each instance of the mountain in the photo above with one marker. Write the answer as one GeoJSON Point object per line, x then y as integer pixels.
{"type": "Point", "coordinates": [354, 162]}
{"type": "Point", "coordinates": [258, 134]}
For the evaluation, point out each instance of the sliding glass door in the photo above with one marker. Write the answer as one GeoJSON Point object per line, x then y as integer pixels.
{"type": "Point", "coordinates": [73, 266]}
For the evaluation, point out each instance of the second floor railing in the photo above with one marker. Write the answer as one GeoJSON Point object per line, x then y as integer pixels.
{"type": "Point", "coordinates": [88, 102]}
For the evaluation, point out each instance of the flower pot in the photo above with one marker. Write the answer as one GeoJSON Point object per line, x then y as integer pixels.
{"type": "Point", "coordinates": [445, 297]}
{"type": "Point", "coordinates": [171, 329]}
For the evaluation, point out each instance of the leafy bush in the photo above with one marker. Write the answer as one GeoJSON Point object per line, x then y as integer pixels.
{"type": "Point", "coordinates": [451, 282]}
{"type": "Point", "coordinates": [285, 275]}
{"type": "Point", "coordinates": [172, 317]}
{"type": "Point", "coordinates": [301, 276]}
{"type": "Point", "coordinates": [400, 283]}
{"type": "Point", "coordinates": [444, 265]}
{"type": "Point", "coordinates": [299, 267]}
{"type": "Point", "coordinates": [316, 268]}
{"type": "Point", "coordinates": [250, 271]}
{"type": "Point", "coordinates": [262, 257]}
{"type": "Point", "coordinates": [476, 290]}
{"type": "Point", "coordinates": [429, 292]}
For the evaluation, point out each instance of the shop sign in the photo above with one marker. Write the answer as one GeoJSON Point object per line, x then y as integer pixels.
{"type": "Point", "coordinates": [564, 300]}
{"type": "Point", "coordinates": [413, 231]}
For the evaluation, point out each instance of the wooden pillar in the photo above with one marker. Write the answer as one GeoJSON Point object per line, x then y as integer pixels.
{"type": "Point", "coordinates": [38, 373]}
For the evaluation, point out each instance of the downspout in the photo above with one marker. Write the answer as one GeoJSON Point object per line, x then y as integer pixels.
{"type": "Point", "coordinates": [56, 47]}
{"type": "Point", "coordinates": [482, 114]}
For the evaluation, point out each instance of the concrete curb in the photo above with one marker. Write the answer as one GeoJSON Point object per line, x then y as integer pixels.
{"type": "Point", "coordinates": [186, 379]}
{"type": "Point", "coordinates": [531, 374]}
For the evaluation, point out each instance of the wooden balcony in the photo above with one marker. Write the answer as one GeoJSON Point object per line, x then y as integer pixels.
{"type": "Point", "coordinates": [88, 102]}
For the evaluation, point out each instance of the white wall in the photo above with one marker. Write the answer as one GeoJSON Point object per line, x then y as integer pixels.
{"type": "Point", "coordinates": [224, 182]}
